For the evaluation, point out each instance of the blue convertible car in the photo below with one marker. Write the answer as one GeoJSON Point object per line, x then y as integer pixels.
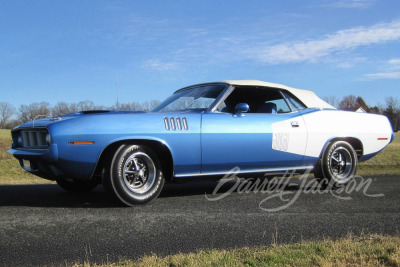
{"type": "Point", "coordinates": [204, 129]}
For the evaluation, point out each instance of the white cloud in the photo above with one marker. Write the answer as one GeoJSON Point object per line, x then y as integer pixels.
{"type": "Point", "coordinates": [395, 63]}
{"type": "Point", "coordinates": [390, 71]}
{"type": "Point", "coordinates": [156, 64]}
{"type": "Point", "coordinates": [351, 4]}
{"type": "Point", "coordinates": [197, 32]}
{"type": "Point", "coordinates": [347, 62]}
{"type": "Point", "coordinates": [382, 75]}
{"type": "Point", "coordinates": [339, 42]}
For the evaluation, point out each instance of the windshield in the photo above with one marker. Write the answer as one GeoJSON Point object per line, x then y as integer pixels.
{"type": "Point", "coordinates": [194, 98]}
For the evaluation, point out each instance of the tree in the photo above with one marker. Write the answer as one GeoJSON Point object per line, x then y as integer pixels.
{"type": "Point", "coordinates": [360, 101]}
{"type": "Point", "coordinates": [154, 103]}
{"type": "Point", "coordinates": [146, 106]}
{"type": "Point", "coordinates": [392, 111]}
{"type": "Point", "coordinates": [62, 108]}
{"type": "Point", "coordinates": [6, 112]}
{"type": "Point", "coordinates": [34, 111]}
{"type": "Point", "coordinates": [331, 100]}
{"type": "Point", "coordinates": [375, 109]}
{"type": "Point", "coordinates": [349, 103]}
{"type": "Point", "coordinates": [85, 105]}
{"type": "Point", "coordinates": [129, 106]}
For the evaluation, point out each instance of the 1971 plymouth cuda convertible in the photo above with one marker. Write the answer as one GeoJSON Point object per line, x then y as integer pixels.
{"type": "Point", "coordinates": [201, 130]}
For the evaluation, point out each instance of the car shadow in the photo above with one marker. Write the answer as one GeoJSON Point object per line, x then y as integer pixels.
{"type": "Point", "coordinates": [201, 187]}
{"type": "Point", "coordinates": [51, 195]}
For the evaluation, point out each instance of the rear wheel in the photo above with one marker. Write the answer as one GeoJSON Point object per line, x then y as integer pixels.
{"type": "Point", "coordinates": [337, 165]}
{"type": "Point", "coordinates": [134, 175]}
{"type": "Point", "coordinates": [71, 185]}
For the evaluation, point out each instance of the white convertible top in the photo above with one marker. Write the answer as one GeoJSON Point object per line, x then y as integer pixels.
{"type": "Point", "coordinates": [309, 98]}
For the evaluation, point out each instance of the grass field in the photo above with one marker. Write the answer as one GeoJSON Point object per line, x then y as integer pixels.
{"type": "Point", "coordinates": [369, 250]}
{"type": "Point", "coordinates": [10, 170]}
{"type": "Point", "coordinates": [387, 162]}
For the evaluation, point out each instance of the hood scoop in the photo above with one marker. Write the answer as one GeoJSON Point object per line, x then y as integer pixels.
{"type": "Point", "coordinates": [94, 111]}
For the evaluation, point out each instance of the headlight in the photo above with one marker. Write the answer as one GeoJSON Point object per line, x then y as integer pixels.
{"type": "Point", "coordinates": [19, 141]}
{"type": "Point", "coordinates": [48, 139]}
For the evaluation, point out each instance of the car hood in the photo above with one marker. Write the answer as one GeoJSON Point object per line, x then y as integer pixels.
{"type": "Point", "coordinates": [44, 122]}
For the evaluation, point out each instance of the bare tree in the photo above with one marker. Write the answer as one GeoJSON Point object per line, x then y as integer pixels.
{"type": "Point", "coordinates": [62, 108]}
{"type": "Point", "coordinates": [136, 106]}
{"type": "Point", "coordinates": [332, 100]}
{"type": "Point", "coordinates": [129, 106]}
{"type": "Point", "coordinates": [24, 113]}
{"type": "Point", "coordinates": [122, 106]}
{"type": "Point", "coordinates": [34, 111]}
{"type": "Point", "coordinates": [146, 106]}
{"type": "Point", "coordinates": [392, 111]}
{"type": "Point", "coordinates": [6, 112]}
{"type": "Point", "coordinates": [392, 103]}
{"type": "Point", "coordinates": [349, 103]}
{"type": "Point", "coordinates": [154, 103]}
{"type": "Point", "coordinates": [85, 105]}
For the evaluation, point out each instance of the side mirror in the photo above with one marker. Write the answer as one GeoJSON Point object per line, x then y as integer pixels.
{"type": "Point", "coordinates": [241, 108]}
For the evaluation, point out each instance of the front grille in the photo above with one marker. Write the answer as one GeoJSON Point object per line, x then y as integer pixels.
{"type": "Point", "coordinates": [32, 138]}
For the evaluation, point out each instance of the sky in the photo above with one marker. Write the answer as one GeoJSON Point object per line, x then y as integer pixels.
{"type": "Point", "coordinates": [80, 50]}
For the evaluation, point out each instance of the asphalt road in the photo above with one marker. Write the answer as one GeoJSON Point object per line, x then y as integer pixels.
{"type": "Point", "coordinates": [42, 224]}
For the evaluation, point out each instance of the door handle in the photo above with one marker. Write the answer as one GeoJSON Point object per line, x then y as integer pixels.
{"type": "Point", "coordinates": [295, 124]}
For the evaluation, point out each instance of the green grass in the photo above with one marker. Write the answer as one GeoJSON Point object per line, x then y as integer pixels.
{"type": "Point", "coordinates": [385, 163]}
{"type": "Point", "coordinates": [10, 170]}
{"type": "Point", "coordinates": [369, 250]}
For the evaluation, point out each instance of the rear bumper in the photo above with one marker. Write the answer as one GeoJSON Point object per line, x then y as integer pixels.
{"type": "Point", "coordinates": [393, 137]}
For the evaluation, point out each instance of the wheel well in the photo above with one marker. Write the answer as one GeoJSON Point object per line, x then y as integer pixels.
{"type": "Point", "coordinates": [354, 142]}
{"type": "Point", "coordinates": [163, 153]}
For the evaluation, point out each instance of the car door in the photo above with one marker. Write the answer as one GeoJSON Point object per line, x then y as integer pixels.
{"type": "Point", "coordinates": [269, 135]}
{"type": "Point", "coordinates": [252, 142]}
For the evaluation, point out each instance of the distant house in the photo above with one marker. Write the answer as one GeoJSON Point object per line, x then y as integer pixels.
{"type": "Point", "coordinates": [360, 109]}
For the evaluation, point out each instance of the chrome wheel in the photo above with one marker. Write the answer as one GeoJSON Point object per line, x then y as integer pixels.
{"type": "Point", "coordinates": [134, 175]}
{"type": "Point", "coordinates": [139, 173]}
{"type": "Point", "coordinates": [338, 164]}
{"type": "Point", "coordinates": [341, 163]}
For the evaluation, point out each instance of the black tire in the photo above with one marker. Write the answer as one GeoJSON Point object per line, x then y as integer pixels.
{"type": "Point", "coordinates": [337, 165]}
{"type": "Point", "coordinates": [134, 175]}
{"type": "Point", "coordinates": [76, 186]}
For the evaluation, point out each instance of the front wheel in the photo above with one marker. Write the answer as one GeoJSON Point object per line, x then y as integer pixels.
{"type": "Point", "coordinates": [337, 165]}
{"type": "Point", "coordinates": [135, 176]}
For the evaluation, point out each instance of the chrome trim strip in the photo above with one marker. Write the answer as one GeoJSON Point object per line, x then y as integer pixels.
{"type": "Point", "coordinates": [173, 126]}
{"type": "Point", "coordinates": [166, 123]}
{"type": "Point", "coordinates": [185, 123]}
{"type": "Point", "coordinates": [178, 123]}
{"type": "Point", "coordinates": [287, 102]}
{"type": "Point", "coordinates": [244, 172]}
{"type": "Point", "coordinates": [227, 91]}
